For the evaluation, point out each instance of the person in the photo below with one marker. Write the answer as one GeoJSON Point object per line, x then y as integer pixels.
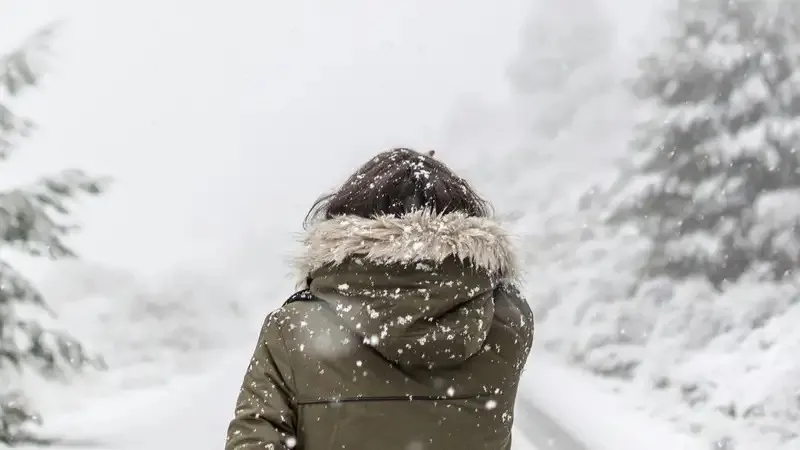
{"type": "Point", "coordinates": [409, 331]}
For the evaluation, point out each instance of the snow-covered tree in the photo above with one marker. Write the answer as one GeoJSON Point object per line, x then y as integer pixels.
{"type": "Point", "coordinates": [564, 51]}
{"type": "Point", "coordinates": [716, 183]}
{"type": "Point", "coordinates": [33, 221]}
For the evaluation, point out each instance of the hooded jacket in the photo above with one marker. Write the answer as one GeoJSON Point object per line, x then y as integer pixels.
{"type": "Point", "coordinates": [411, 336]}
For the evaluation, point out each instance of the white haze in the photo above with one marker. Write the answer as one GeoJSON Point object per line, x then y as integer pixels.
{"type": "Point", "coordinates": [222, 121]}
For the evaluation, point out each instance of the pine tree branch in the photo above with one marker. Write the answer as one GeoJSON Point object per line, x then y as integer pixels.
{"type": "Point", "coordinates": [15, 412]}
{"type": "Point", "coordinates": [16, 288]}
{"type": "Point", "coordinates": [12, 127]}
{"type": "Point", "coordinates": [54, 353]}
{"type": "Point", "coordinates": [19, 69]}
{"type": "Point", "coordinates": [32, 217]}
{"type": "Point", "coordinates": [26, 341]}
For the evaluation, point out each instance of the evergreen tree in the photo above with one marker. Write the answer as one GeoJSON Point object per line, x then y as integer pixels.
{"type": "Point", "coordinates": [716, 183]}
{"type": "Point", "coordinates": [34, 221]}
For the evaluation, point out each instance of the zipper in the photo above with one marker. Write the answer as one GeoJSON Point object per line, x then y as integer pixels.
{"type": "Point", "coordinates": [393, 398]}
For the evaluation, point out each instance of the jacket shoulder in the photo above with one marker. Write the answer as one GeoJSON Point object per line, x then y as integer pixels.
{"type": "Point", "coordinates": [300, 296]}
{"type": "Point", "coordinates": [514, 312]}
{"type": "Point", "coordinates": [300, 310]}
{"type": "Point", "coordinates": [510, 301]}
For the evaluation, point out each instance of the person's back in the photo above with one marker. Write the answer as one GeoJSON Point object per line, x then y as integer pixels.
{"type": "Point", "coordinates": [409, 332]}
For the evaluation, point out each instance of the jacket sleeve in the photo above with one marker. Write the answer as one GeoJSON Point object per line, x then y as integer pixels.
{"type": "Point", "coordinates": [515, 314]}
{"type": "Point", "coordinates": [265, 416]}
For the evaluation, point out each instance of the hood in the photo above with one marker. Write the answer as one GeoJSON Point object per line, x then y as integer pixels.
{"type": "Point", "coordinates": [419, 288]}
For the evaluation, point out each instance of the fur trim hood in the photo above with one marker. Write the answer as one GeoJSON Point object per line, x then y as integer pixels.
{"type": "Point", "coordinates": [417, 236]}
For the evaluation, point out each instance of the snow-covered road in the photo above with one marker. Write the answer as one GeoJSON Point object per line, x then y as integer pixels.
{"type": "Point", "coordinates": [537, 430]}
{"type": "Point", "coordinates": [192, 413]}
{"type": "Point", "coordinates": [559, 408]}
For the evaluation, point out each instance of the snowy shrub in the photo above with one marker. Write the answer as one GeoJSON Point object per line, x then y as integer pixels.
{"type": "Point", "coordinates": [714, 190]}
{"type": "Point", "coordinates": [166, 323]}
{"type": "Point", "coordinates": [706, 336]}
{"type": "Point", "coordinates": [729, 360]}
{"type": "Point", "coordinates": [148, 329]}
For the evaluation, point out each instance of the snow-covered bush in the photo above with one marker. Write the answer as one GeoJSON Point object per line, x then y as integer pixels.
{"type": "Point", "coordinates": [148, 329]}
{"type": "Point", "coordinates": [715, 161]}
{"type": "Point", "coordinates": [168, 322]}
{"type": "Point", "coordinates": [714, 350]}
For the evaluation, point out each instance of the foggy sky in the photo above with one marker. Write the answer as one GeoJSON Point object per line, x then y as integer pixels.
{"type": "Point", "coordinates": [222, 121]}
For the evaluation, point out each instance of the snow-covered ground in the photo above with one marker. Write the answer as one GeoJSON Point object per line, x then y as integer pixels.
{"type": "Point", "coordinates": [559, 409]}
{"type": "Point", "coordinates": [188, 412]}
{"type": "Point", "coordinates": [592, 413]}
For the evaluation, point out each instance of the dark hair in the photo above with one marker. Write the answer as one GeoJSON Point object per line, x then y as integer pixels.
{"type": "Point", "coordinates": [396, 182]}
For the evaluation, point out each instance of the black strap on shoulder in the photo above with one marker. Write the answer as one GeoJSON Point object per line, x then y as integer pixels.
{"type": "Point", "coordinates": [300, 296]}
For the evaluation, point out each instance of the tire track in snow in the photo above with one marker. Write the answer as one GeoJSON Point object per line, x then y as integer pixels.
{"type": "Point", "coordinates": [538, 428]}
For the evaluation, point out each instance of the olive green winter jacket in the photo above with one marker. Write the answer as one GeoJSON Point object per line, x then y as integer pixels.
{"type": "Point", "coordinates": [412, 338]}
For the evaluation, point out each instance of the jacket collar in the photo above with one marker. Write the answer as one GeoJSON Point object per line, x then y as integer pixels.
{"type": "Point", "coordinates": [416, 236]}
